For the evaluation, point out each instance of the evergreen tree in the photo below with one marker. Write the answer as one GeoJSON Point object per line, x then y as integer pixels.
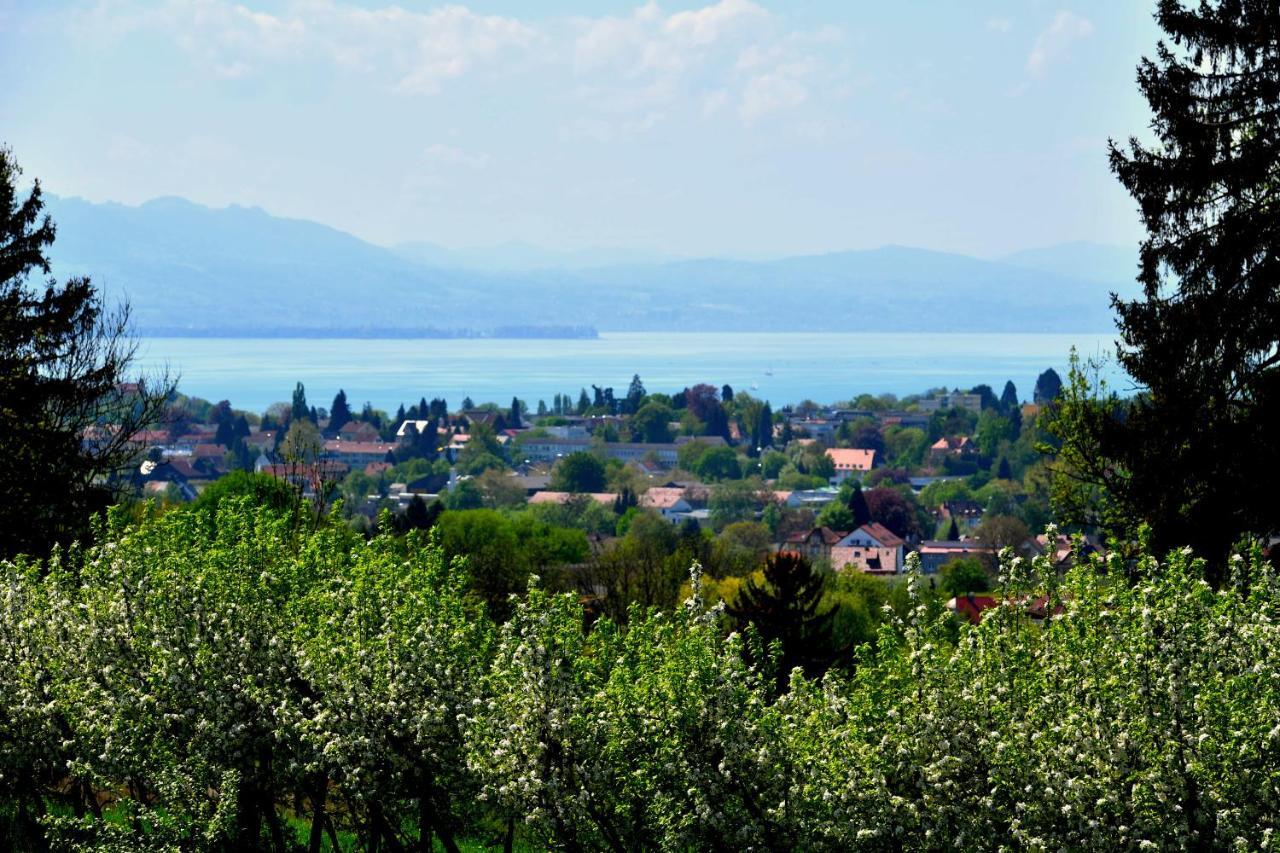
{"type": "Point", "coordinates": [1003, 472]}
{"type": "Point", "coordinates": [1187, 455]}
{"type": "Point", "coordinates": [401, 415]}
{"type": "Point", "coordinates": [726, 394]}
{"type": "Point", "coordinates": [584, 402]}
{"type": "Point", "coordinates": [300, 410]}
{"type": "Point", "coordinates": [1048, 387]}
{"type": "Point", "coordinates": [635, 395]}
{"type": "Point", "coordinates": [1009, 397]}
{"type": "Point", "coordinates": [339, 412]}
{"type": "Point", "coordinates": [242, 429]}
{"type": "Point", "coordinates": [953, 532]}
{"type": "Point", "coordinates": [764, 428]}
{"type": "Point", "coordinates": [468, 404]}
{"type": "Point", "coordinates": [858, 506]}
{"type": "Point", "coordinates": [64, 363]}
{"type": "Point", "coordinates": [542, 408]}
{"type": "Point", "coordinates": [784, 609]}
{"type": "Point", "coordinates": [513, 418]}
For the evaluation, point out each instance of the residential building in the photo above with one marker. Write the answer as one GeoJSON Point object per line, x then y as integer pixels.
{"type": "Point", "coordinates": [934, 554]}
{"type": "Point", "coordinates": [955, 400]}
{"type": "Point", "coordinates": [871, 548]}
{"type": "Point", "coordinates": [850, 462]}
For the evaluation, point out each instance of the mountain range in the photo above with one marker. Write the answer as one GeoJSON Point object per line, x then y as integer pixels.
{"type": "Point", "coordinates": [195, 270]}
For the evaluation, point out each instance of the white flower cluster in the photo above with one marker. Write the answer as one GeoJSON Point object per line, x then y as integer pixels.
{"type": "Point", "coordinates": [196, 680]}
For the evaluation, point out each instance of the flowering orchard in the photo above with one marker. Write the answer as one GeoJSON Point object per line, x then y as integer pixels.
{"type": "Point", "coordinates": [229, 683]}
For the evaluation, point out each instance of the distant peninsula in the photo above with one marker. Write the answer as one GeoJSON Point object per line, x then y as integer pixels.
{"type": "Point", "coordinates": [375, 332]}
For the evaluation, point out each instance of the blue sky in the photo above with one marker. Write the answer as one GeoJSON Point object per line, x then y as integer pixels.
{"type": "Point", "coordinates": [732, 127]}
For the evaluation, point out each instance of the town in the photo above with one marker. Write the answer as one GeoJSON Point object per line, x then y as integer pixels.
{"type": "Point", "coordinates": [953, 476]}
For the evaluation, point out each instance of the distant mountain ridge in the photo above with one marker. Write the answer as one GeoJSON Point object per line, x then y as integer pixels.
{"type": "Point", "coordinates": [190, 269]}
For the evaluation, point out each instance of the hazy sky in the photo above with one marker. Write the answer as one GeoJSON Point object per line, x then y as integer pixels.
{"type": "Point", "coordinates": [730, 127]}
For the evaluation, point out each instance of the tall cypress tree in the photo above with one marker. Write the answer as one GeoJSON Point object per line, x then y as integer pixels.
{"type": "Point", "coordinates": [513, 418]}
{"type": "Point", "coordinates": [1203, 340]}
{"type": "Point", "coordinates": [858, 506]}
{"type": "Point", "coordinates": [339, 412]}
{"type": "Point", "coordinates": [1009, 397]}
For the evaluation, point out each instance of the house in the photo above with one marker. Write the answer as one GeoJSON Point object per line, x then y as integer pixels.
{"type": "Point", "coordinates": [954, 445]}
{"type": "Point", "coordinates": [966, 514]}
{"type": "Point", "coordinates": [871, 548]}
{"type": "Point", "coordinates": [1062, 548]}
{"type": "Point", "coordinates": [934, 554]}
{"type": "Point", "coordinates": [972, 606]}
{"type": "Point", "coordinates": [814, 499]}
{"type": "Point", "coordinates": [376, 469]}
{"type": "Point", "coordinates": [358, 431]}
{"type": "Point", "coordinates": [850, 462]}
{"type": "Point", "coordinates": [358, 454]}
{"type": "Point", "coordinates": [815, 544]}
{"type": "Point", "coordinates": [670, 502]}
{"type": "Point", "coordinates": [605, 498]}
{"type": "Point", "coordinates": [969, 402]}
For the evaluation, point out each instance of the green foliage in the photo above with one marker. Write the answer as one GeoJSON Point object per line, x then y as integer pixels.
{"type": "Point", "coordinates": [837, 516]}
{"type": "Point", "coordinates": [652, 423]}
{"type": "Point", "coordinates": [964, 575]}
{"type": "Point", "coordinates": [262, 490]}
{"type": "Point", "coordinates": [716, 464]}
{"type": "Point", "coordinates": [578, 472]}
{"type": "Point", "coordinates": [211, 685]}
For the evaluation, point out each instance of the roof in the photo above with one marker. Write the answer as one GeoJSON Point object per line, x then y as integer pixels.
{"type": "Point", "coordinates": [966, 546]}
{"type": "Point", "coordinates": [420, 426]}
{"type": "Point", "coordinates": [208, 451]}
{"type": "Point", "coordinates": [661, 497]}
{"type": "Point", "coordinates": [951, 443]}
{"type": "Point", "coordinates": [852, 458]}
{"type": "Point", "coordinates": [886, 537]}
{"type": "Point", "coordinates": [565, 497]}
{"type": "Point", "coordinates": [370, 448]}
{"type": "Point", "coordinates": [829, 537]}
{"type": "Point", "coordinates": [972, 606]}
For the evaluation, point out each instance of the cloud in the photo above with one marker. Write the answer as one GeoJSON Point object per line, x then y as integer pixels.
{"type": "Point", "coordinates": [412, 52]}
{"type": "Point", "coordinates": [999, 25]}
{"type": "Point", "coordinates": [626, 73]}
{"type": "Point", "coordinates": [1055, 42]}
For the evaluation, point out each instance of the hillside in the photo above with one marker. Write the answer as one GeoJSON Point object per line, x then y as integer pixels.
{"type": "Point", "coordinates": [189, 269]}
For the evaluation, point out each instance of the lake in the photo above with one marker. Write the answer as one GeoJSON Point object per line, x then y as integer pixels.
{"type": "Point", "coordinates": [781, 367]}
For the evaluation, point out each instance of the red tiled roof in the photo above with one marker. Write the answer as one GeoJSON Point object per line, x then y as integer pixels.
{"type": "Point", "coordinates": [852, 459]}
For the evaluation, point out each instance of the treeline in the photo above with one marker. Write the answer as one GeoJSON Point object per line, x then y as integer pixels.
{"type": "Point", "coordinates": [242, 681]}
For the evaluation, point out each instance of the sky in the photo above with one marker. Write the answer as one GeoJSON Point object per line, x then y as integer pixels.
{"type": "Point", "coordinates": [735, 128]}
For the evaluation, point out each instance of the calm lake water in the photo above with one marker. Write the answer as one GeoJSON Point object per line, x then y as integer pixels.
{"type": "Point", "coordinates": [780, 367]}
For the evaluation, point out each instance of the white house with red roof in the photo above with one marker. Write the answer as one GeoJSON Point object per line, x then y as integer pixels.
{"type": "Point", "coordinates": [670, 502]}
{"type": "Point", "coordinates": [871, 548]}
{"type": "Point", "coordinates": [850, 462]}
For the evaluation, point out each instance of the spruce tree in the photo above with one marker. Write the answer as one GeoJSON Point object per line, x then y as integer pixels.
{"type": "Point", "coordinates": [1188, 455]}
{"type": "Point", "coordinates": [300, 410]}
{"type": "Point", "coordinates": [339, 412]}
{"type": "Point", "coordinates": [786, 609]}
{"type": "Point", "coordinates": [1009, 397]}
{"type": "Point", "coordinates": [953, 532]}
{"type": "Point", "coordinates": [513, 418]}
{"type": "Point", "coordinates": [858, 506]}
{"type": "Point", "coordinates": [65, 363]}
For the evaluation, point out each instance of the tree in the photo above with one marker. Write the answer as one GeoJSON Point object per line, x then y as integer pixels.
{"type": "Point", "coordinates": [837, 516]}
{"type": "Point", "coordinates": [299, 410]}
{"type": "Point", "coordinates": [635, 396]}
{"type": "Point", "coordinates": [1203, 340]}
{"type": "Point", "coordinates": [1048, 387]}
{"type": "Point", "coordinates": [718, 463]}
{"type": "Point", "coordinates": [68, 414]}
{"type": "Point", "coordinates": [726, 394]}
{"type": "Point", "coordinates": [783, 608]}
{"type": "Point", "coordinates": [987, 397]}
{"type": "Point", "coordinates": [1009, 397]}
{"type": "Point", "coordinates": [1004, 472]}
{"type": "Point", "coordinates": [858, 508]}
{"type": "Point", "coordinates": [340, 412]}
{"type": "Point", "coordinates": [964, 576]}
{"type": "Point", "coordinates": [953, 531]}
{"type": "Point", "coordinates": [513, 417]}
{"type": "Point", "coordinates": [763, 435]}
{"type": "Point", "coordinates": [889, 507]}
{"type": "Point", "coordinates": [1002, 531]}
{"type": "Point", "coordinates": [652, 423]}
{"type": "Point", "coordinates": [578, 472]}
{"type": "Point", "coordinates": [584, 403]}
